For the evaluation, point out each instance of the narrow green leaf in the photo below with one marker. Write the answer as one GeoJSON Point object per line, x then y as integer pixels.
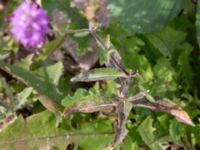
{"type": "Point", "coordinates": [98, 74]}
{"type": "Point", "coordinates": [8, 92]}
{"type": "Point", "coordinates": [49, 48]}
{"type": "Point", "coordinates": [81, 34]}
{"type": "Point", "coordinates": [42, 86]}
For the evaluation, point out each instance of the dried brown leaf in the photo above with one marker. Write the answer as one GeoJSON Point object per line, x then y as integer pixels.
{"type": "Point", "coordinates": [123, 110]}
{"type": "Point", "coordinates": [90, 107]}
{"type": "Point", "coordinates": [162, 106]}
{"type": "Point", "coordinates": [8, 120]}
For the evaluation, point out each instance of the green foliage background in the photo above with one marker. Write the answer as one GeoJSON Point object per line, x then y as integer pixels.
{"type": "Point", "coordinates": [159, 38]}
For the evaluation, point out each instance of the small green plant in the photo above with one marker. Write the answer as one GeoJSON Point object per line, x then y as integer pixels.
{"type": "Point", "coordinates": [97, 74]}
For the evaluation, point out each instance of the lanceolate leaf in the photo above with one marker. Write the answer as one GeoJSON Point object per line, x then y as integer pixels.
{"type": "Point", "coordinates": [124, 109]}
{"type": "Point", "coordinates": [43, 87]}
{"type": "Point", "coordinates": [98, 74]}
{"type": "Point", "coordinates": [49, 48]}
{"type": "Point", "coordinates": [162, 106]}
{"type": "Point", "coordinates": [8, 92]}
{"type": "Point", "coordinates": [144, 15]}
{"type": "Point", "coordinates": [87, 104]}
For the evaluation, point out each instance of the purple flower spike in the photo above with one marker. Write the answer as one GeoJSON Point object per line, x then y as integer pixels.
{"type": "Point", "coordinates": [29, 24]}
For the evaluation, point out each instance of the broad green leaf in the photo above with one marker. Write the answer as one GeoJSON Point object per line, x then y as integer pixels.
{"type": "Point", "coordinates": [146, 131]}
{"type": "Point", "coordinates": [39, 131]}
{"type": "Point", "coordinates": [32, 133]}
{"type": "Point", "coordinates": [98, 74]}
{"type": "Point", "coordinates": [42, 86]}
{"type": "Point", "coordinates": [101, 135]}
{"type": "Point", "coordinates": [49, 48]}
{"type": "Point", "coordinates": [144, 15]}
{"type": "Point", "coordinates": [51, 73]}
{"type": "Point", "coordinates": [167, 40]}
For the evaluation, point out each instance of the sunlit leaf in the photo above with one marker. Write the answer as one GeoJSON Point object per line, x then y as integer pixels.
{"type": "Point", "coordinates": [22, 98]}
{"type": "Point", "coordinates": [98, 74]}
{"type": "Point", "coordinates": [29, 132]}
{"type": "Point", "coordinates": [39, 131]}
{"type": "Point", "coordinates": [26, 62]}
{"type": "Point", "coordinates": [51, 73]}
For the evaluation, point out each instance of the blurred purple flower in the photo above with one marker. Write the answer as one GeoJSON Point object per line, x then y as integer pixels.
{"type": "Point", "coordinates": [29, 24]}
